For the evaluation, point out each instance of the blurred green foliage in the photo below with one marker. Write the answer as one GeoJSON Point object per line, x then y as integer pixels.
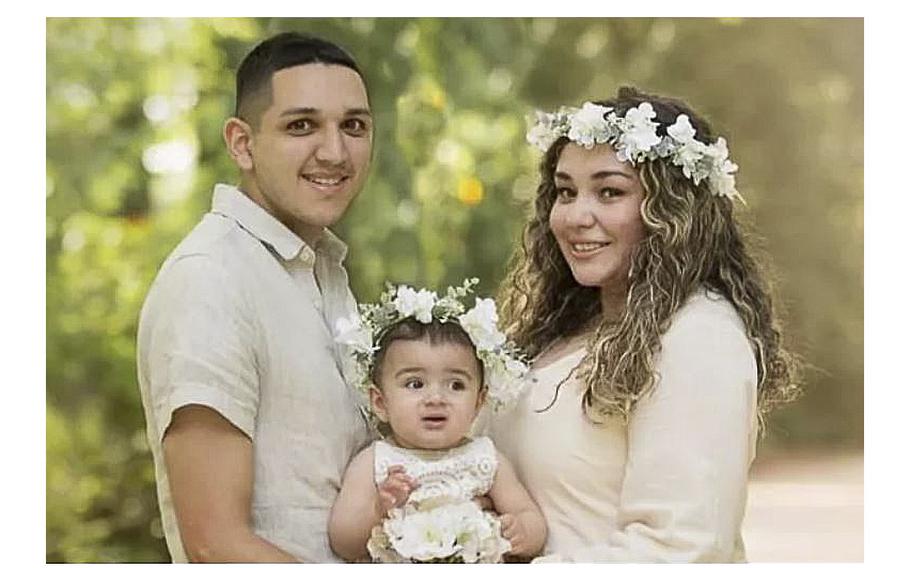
{"type": "Point", "coordinates": [134, 115]}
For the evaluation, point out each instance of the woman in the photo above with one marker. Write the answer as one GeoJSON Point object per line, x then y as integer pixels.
{"type": "Point", "coordinates": [655, 343]}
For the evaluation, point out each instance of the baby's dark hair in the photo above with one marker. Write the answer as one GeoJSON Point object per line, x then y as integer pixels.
{"type": "Point", "coordinates": [436, 332]}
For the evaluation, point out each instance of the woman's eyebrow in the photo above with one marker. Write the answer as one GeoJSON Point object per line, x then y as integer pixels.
{"type": "Point", "coordinates": [560, 175]}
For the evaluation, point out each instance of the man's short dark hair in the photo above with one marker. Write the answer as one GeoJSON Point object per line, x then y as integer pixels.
{"type": "Point", "coordinates": [289, 49]}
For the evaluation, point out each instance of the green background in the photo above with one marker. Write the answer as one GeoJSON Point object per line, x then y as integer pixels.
{"type": "Point", "coordinates": [134, 115]}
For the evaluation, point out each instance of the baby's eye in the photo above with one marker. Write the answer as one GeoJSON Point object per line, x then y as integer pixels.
{"type": "Point", "coordinates": [413, 384]}
{"type": "Point", "coordinates": [458, 385]}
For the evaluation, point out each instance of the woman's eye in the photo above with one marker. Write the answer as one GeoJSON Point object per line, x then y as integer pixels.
{"type": "Point", "coordinates": [565, 193]}
{"type": "Point", "coordinates": [608, 192]}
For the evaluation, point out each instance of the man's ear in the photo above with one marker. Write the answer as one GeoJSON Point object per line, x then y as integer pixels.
{"type": "Point", "coordinates": [378, 403]}
{"type": "Point", "coordinates": [238, 137]}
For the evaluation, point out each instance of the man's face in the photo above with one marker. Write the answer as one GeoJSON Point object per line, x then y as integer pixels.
{"type": "Point", "coordinates": [311, 151]}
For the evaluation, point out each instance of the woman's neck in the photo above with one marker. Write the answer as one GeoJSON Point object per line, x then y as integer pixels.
{"type": "Point", "coordinates": [612, 303]}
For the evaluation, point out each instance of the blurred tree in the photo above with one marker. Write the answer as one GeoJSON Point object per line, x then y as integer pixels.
{"type": "Point", "coordinates": [134, 115]}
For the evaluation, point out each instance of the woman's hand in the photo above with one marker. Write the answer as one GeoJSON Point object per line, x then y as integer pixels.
{"type": "Point", "coordinates": [394, 491]}
{"type": "Point", "coordinates": [518, 535]}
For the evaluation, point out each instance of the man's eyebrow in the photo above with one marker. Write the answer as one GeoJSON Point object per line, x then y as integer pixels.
{"type": "Point", "coordinates": [295, 111]}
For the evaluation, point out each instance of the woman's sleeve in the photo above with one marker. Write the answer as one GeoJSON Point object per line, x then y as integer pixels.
{"type": "Point", "coordinates": [690, 445]}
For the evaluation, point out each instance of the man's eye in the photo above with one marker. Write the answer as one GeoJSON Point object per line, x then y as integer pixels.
{"type": "Point", "coordinates": [301, 125]}
{"type": "Point", "coordinates": [356, 126]}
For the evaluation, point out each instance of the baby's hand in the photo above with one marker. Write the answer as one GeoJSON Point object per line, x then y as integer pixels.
{"type": "Point", "coordinates": [394, 491]}
{"type": "Point", "coordinates": [516, 533]}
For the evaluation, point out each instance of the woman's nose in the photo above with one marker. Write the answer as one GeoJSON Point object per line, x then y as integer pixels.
{"type": "Point", "coordinates": [579, 213]}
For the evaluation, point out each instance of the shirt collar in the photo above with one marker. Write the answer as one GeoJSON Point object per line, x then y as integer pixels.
{"type": "Point", "coordinates": [233, 203]}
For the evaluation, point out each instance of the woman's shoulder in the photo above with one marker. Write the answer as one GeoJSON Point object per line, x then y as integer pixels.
{"type": "Point", "coordinates": [707, 328]}
{"type": "Point", "coordinates": [707, 311]}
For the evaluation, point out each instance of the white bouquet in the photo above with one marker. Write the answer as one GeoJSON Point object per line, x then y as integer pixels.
{"type": "Point", "coordinates": [449, 533]}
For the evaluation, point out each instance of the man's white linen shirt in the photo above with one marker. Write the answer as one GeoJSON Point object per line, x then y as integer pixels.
{"type": "Point", "coordinates": [236, 321]}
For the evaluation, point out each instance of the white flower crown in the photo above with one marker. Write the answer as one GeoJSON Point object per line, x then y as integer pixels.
{"type": "Point", "coordinates": [505, 369]}
{"type": "Point", "coordinates": [634, 136]}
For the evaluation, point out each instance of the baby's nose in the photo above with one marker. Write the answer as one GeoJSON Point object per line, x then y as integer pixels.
{"type": "Point", "coordinates": [435, 396]}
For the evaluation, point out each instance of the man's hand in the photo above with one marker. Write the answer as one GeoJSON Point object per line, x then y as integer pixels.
{"type": "Point", "coordinates": [394, 491]}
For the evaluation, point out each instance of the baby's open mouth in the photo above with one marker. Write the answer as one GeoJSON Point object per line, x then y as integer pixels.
{"type": "Point", "coordinates": [434, 420]}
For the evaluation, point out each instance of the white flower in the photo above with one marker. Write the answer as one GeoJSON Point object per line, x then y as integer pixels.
{"type": "Point", "coordinates": [588, 126]}
{"type": "Point", "coordinates": [681, 130]}
{"type": "Point", "coordinates": [688, 155]}
{"type": "Point", "coordinates": [424, 535]}
{"type": "Point", "coordinates": [543, 134]}
{"type": "Point", "coordinates": [425, 302]}
{"type": "Point", "coordinates": [641, 116]}
{"type": "Point", "coordinates": [718, 152]}
{"type": "Point", "coordinates": [351, 332]}
{"type": "Point", "coordinates": [506, 379]}
{"type": "Point", "coordinates": [720, 177]}
{"type": "Point", "coordinates": [640, 133]}
{"type": "Point", "coordinates": [420, 304]}
{"type": "Point", "coordinates": [453, 530]}
{"type": "Point", "coordinates": [480, 323]}
{"type": "Point", "coordinates": [634, 137]}
{"type": "Point", "coordinates": [723, 184]}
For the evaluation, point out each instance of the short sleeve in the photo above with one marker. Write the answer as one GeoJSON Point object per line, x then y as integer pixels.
{"type": "Point", "coordinates": [201, 344]}
{"type": "Point", "coordinates": [690, 445]}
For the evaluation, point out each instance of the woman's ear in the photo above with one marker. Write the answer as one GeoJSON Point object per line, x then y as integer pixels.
{"type": "Point", "coordinates": [238, 137]}
{"type": "Point", "coordinates": [378, 403]}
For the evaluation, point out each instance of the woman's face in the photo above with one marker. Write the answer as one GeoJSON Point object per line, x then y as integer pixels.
{"type": "Point", "coordinates": [596, 218]}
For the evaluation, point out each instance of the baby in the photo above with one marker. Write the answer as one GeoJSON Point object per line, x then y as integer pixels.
{"type": "Point", "coordinates": [429, 375]}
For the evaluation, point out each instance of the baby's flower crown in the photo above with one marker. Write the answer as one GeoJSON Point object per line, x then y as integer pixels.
{"type": "Point", "coordinates": [505, 369]}
{"type": "Point", "coordinates": [634, 137]}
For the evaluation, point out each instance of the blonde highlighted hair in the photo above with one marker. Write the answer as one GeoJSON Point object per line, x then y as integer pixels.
{"type": "Point", "coordinates": [692, 241]}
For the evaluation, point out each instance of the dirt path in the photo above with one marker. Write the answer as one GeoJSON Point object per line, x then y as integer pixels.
{"type": "Point", "coordinates": [805, 508]}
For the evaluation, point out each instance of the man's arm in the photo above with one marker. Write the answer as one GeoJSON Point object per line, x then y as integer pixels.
{"type": "Point", "coordinates": [522, 522]}
{"type": "Point", "coordinates": [210, 467]}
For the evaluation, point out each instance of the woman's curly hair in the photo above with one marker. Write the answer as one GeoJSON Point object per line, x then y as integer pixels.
{"type": "Point", "coordinates": [692, 241]}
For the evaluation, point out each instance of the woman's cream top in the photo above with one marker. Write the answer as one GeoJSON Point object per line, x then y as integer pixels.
{"type": "Point", "coordinates": [668, 486]}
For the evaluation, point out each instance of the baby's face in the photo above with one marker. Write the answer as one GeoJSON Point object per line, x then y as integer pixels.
{"type": "Point", "coordinates": [429, 394]}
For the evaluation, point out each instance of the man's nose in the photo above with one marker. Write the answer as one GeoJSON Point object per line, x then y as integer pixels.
{"type": "Point", "coordinates": [332, 147]}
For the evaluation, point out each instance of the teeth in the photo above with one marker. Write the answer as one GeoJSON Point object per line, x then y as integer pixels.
{"type": "Point", "coordinates": [587, 247]}
{"type": "Point", "coordinates": [324, 181]}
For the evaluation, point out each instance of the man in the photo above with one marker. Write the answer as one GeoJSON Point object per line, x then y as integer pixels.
{"type": "Point", "coordinates": [249, 420]}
